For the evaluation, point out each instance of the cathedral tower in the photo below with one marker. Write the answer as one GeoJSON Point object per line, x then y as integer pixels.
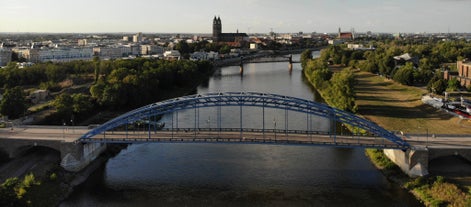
{"type": "Point", "coordinates": [217, 28]}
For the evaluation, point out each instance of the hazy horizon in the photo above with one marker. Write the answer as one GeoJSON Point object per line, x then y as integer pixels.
{"type": "Point", "coordinates": [248, 16]}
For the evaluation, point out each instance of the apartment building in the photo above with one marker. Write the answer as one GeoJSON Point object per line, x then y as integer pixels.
{"type": "Point", "coordinates": [464, 73]}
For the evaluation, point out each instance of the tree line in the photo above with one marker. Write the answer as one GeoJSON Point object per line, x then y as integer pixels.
{"type": "Point", "coordinates": [425, 68]}
{"type": "Point", "coordinates": [132, 83]}
{"type": "Point", "coordinates": [335, 88]}
{"type": "Point", "coordinates": [109, 85]}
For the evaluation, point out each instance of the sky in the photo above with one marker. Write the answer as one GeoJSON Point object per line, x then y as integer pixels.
{"type": "Point", "coordinates": [249, 16]}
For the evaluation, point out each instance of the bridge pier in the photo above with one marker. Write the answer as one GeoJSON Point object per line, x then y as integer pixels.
{"type": "Point", "coordinates": [76, 156]}
{"type": "Point", "coordinates": [415, 163]}
{"type": "Point", "coordinates": [412, 162]}
{"type": "Point", "coordinates": [290, 62]}
{"type": "Point", "coordinates": [241, 66]}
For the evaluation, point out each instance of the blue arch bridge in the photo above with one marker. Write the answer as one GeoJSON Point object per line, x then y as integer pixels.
{"type": "Point", "coordinates": [142, 125]}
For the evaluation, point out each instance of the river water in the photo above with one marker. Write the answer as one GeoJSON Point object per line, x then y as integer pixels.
{"type": "Point", "coordinates": [242, 174]}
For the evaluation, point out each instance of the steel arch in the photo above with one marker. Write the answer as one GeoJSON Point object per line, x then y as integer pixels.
{"type": "Point", "coordinates": [254, 99]}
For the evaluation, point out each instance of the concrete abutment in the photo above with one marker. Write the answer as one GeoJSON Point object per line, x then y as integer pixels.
{"type": "Point", "coordinates": [415, 162]}
{"type": "Point", "coordinates": [74, 155]}
{"type": "Point", "coordinates": [77, 156]}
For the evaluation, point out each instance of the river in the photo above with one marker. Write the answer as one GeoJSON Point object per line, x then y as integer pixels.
{"type": "Point", "coordinates": [241, 174]}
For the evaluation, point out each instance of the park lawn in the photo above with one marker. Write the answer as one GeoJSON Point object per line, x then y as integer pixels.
{"type": "Point", "coordinates": [399, 108]}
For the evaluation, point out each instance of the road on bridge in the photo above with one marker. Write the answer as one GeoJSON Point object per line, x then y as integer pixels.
{"type": "Point", "coordinates": [280, 137]}
{"type": "Point", "coordinates": [71, 134]}
{"type": "Point", "coordinates": [62, 133]}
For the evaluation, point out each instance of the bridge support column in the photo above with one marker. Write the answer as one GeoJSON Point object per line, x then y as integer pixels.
{"type": "Point", "coordinates": [290, 63]}
{"type": "Point", "coordinates": [76, 156]}
{"type": "Point", "coordinates": [412, 162]}
{"type": "Point", "coordinates": [241, 66]}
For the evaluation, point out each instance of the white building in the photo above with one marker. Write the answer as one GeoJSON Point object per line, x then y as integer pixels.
{"type": "Point", "coordinates": [254, 46]}
{"type": "Point", "coordinates": [359, 47]}
{"type": "Point", "coordinates": [204, 56]}
{"type": "Point", "coordinates": [108, 52]}
{"type": "Point", "coordinates": [151, 50]}
{"type": "Point", "coordinates": [82, 42]}
{"type": "Point", "coordinates": [172, 55]}
{"type": "Point", "coordinates": [132, 50]}
{"type": "Point", "coordinates": [65, 54]}
{"type": "Point", "coordinates": [137, 37]}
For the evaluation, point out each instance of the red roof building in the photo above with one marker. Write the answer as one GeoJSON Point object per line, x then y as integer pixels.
{"type": "Point", "coordinates": [464, 73]}
{"type": "Point", "coordinates": [345, 35]}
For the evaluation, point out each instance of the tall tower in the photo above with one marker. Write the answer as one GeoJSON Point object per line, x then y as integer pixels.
{"type": "Point", "coordinates": [217, 28]}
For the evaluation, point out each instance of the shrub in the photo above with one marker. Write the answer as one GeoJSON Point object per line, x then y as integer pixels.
{"type": "Point", "coordinates": [53, 177]}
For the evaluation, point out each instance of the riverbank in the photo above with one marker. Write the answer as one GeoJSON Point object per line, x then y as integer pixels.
{"type": "Point", "coordinates": [431, 191]}
{"type": "Point", "coordinates": [52, 184]}
{"type": "Point", "coordinates": [399, 108]}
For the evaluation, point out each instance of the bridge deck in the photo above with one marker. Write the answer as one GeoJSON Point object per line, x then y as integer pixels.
{"type": "Point", "coordinates": [237, 137]}
{"type": "Point", "coordinates": [59, 133]}
{"type": "Point", "coordinates": [280, 137]}
{"type": "Point", "coordinates": [72, 134]}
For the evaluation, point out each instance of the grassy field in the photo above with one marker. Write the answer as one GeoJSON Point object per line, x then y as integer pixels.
{"type": "Point", "coordinates": [399, 108]}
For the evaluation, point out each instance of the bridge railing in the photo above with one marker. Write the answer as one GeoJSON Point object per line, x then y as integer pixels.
{"type": "Point", "coordinates": [251, 136]}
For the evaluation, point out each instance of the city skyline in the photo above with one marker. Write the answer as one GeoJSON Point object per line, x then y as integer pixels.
{"type": "Point", "coordinates": [249, 16]}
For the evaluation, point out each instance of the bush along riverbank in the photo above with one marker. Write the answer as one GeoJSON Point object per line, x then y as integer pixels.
{"type": "Point", "coordinates": [431, 190]}
{"type": "Point", "coordinates": [51, 184]}
{"type": "Point", "coordinates": [337, 91]}
{"type": "Point", "coordinates": [335, 88]}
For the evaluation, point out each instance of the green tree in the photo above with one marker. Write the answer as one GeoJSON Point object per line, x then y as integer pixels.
{"type": "Point", "coordinates": [81, 103]}
{"type": "Point", "coordinates": [453, 85]}
{"type": "Point", "coordinates": [306, 55]}
{"type": "Point", "coordinates": [13, 103]}
{"type": "Point", "coordinates": [64, 104]}
{"type": "Point", "coordinates": [183, 48]}
{"type": "Point", "coordinates": [405, 74]}
{"type": "Point", "coordinates": [344, 60]}
{"type": "Point", "coordinates": [439, 86]}
{"type": "Point", "coordinates": [8, 195]}
{"type": "Point", "coordinates": [13, 191]}
{"type": "Point", "coordinates": [340, 94]}
{"type": "Point", "coordinates": [96, 65]}
{"type": "Point", "coordinates": [225, 49]}
{"type": "Point", "coordinates": [97, 90]}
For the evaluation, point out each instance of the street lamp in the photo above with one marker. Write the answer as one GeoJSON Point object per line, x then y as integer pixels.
{"type": "Point", "coordinates": [209, 122]}
{"type": "Point", "coordinates": [72, 123]}
{"type": "Point", "coordinates": [426, 143]}
{"type": "Point", "coordinates": [426, 136]}
{"type": "Point", "coordinates": [209, 126]}
{"type": "Point", "coordinates": [274, 127]}
{"type": "Point", "coordinates": [63, 130]}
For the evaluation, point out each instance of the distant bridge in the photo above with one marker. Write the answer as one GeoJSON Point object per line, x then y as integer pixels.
{"type": "Point", "coordinates": [264, 58]}
{"type": "Point", "coordinates": [275, 58]}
